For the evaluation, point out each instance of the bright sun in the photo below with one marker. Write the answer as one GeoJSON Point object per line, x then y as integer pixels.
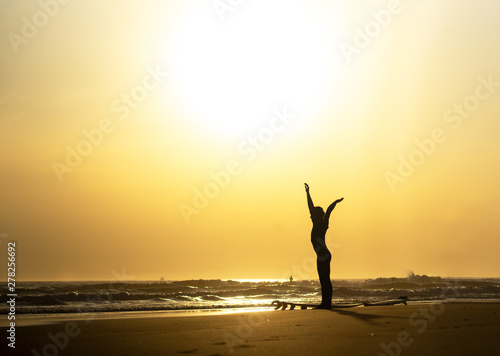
{"type": "Point", "coordinates": [231, 73]}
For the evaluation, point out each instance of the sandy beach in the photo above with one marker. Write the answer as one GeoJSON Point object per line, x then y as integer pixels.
{"type": "Point", "coordinates": [415, 329]}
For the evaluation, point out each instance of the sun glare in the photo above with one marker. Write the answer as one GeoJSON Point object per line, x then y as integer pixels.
{"type": "Point", "coordinates": [231, 74]}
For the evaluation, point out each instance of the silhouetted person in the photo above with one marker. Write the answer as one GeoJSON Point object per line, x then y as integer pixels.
{"type": "Point", "coordinates": [320, 225]}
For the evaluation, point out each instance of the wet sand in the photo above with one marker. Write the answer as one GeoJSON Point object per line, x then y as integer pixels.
{"type": "Point", "coordinates": [415, 329]}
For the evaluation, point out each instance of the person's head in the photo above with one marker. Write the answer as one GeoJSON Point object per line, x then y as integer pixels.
{"type": "Point", "coordinates": [317, 213]}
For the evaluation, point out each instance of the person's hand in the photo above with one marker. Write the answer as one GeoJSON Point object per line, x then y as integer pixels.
{"type": "Point", "coordinates": [307, 187]}
{"type": "Point", "coordinates": [338, 200]}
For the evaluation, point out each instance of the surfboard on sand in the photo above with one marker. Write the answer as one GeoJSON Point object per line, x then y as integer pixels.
{"type": "Point", "coordinates": [399, 300]}
{"type": "Point", "coordinates": [283, 305]}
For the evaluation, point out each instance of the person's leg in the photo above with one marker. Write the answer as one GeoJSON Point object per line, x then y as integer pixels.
{"type": "Point", "coordinates": [326, 287]}
{"type": "Point", "coordinates": [326, 284]}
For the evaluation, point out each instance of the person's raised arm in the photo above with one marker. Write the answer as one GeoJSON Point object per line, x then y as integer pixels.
{"type": "Point", "coordinates": [331, 207]}
{"type": "Point", "coordinates": [309, 200]}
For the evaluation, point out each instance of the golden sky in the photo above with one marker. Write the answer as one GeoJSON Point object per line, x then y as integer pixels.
{"type": "Point", "coordinates": [173, 138]}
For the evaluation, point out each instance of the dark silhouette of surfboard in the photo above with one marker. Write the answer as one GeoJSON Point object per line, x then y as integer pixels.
{"type": "Point", "coordinates": [283, 305]}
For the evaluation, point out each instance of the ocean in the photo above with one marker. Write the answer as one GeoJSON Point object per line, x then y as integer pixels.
{"type": "Point", "coordinates": [200, 294]}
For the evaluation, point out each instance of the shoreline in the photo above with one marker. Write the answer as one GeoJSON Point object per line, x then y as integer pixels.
{"type": "Point", "coordinates": [23, 320]}
{"type": "Point", "coordinates": [430, 329]}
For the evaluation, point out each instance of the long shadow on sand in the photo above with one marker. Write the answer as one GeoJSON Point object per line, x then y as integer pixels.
{"type": "Point", "coordinates": [367, 318]}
